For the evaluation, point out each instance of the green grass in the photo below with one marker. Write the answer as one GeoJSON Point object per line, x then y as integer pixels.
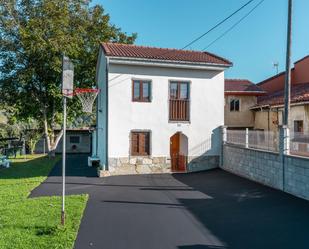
{"type": "Point", "coordinates": [35, 223]}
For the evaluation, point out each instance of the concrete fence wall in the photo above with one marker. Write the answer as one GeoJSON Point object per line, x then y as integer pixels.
{"type": "Point", "coordinates": [287, 173]}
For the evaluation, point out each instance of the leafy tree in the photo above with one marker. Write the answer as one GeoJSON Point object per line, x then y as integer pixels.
{"type": "Point", "coordinates": [33, 36]}
{"type": "Point", "coordinates": [27, 130]}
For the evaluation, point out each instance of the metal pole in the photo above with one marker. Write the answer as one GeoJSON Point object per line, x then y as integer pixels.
{"type": "Point", "coordinates": [63, 159]}
{"type": "Point", "coordinates": [247, 137]}
{"type": "Point", "coordinates": [287, 93]}
{"type": "Point", "coordinates": [97, 129]}
{"type": "Point", "coordinates": [287, 88]}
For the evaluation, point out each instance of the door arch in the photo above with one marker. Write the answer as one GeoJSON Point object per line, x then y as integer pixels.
{"type": "Point", "coordinates": [179, 152]}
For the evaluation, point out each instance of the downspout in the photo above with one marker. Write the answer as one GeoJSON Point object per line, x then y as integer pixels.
{"type": "Point", "coordinates": [278, 118]}
{"type": "Point", "coordinates": [268, 119]}
{"type": "Point", "coordinates": [106, 119]}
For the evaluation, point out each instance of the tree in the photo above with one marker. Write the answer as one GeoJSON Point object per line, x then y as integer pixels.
{"type": "Point", "coordinates": [26, 130]}
{"type": "Point", "coordinates": [33, 36]}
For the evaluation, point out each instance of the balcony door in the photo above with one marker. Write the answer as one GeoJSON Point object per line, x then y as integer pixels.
{"type": "Point", "coordinates": [179, 101]}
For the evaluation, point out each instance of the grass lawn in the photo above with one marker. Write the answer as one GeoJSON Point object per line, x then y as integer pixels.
{"type": "Point", "coordinates": [35, 223]}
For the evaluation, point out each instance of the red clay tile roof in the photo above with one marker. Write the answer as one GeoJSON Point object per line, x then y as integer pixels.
{"type": "Point", "coordinates": [299, 93]}
{"type": "Point", "coordinates": [241, 86]}
{"type": "Point", "coordinates": [304, 58]}
{"type": "Point", "coordinates": [134, 51]}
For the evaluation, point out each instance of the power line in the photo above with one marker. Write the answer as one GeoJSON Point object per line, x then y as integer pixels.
{"type": "Point", "coordinates": [218, 24]}
{"type": "Point", "coordinates": [232, 27]}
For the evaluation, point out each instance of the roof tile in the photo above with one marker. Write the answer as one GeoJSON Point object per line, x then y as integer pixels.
{"type": "Point", "coordinates": [128, 50]}
{"type": "Point", "coordinates": [299, 93]}
{"type": "Point", "coordinates": [241, 86]}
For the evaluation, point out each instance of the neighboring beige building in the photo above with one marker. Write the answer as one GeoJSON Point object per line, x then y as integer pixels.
{"type": "Point", "coordinates": [269, 108]}
{"type": "Point", "coordinates": [265, 111]}
{"type": "Point", "coordinates": [240, 96]}
{"type": "Point", "coordinates": [267, 120]}
{"type": "Point", "coordinates": [260, 106]}
{"type": "Point", "coordinates": [268, 111]}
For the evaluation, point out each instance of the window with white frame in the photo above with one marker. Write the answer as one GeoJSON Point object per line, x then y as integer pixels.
{"type": "Point", "coordinates": [234, 105]}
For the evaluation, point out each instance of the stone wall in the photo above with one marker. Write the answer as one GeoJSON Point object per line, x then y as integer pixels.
{"type": "Point", "coordinates": [138, 165]}
{"type": "Point", "coordinates": [150, 165]}
{"type": "Point", "coordinates": [287, 173]}
{"type": "Point", "coordinates": [261, 166]}
{"type": "Point", "coordinates": [297, 176]}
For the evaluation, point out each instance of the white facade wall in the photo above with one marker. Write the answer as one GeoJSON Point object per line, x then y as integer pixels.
{"type": "Point", "coordinates": [206, 110]}
{"type": "Point", "coordinates": [102, 109]}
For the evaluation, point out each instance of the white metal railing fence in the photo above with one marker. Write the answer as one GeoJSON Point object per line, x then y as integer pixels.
{"type": "Point", "coordinates": [299, 143]}
{"type": "Point", "coordinates": [257, 139]}
{"type": "Point", "coordinates": [236, 137]}
{"type": "Point", "coordinates": [265, 140]}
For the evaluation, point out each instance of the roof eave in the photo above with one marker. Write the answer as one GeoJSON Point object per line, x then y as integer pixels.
{"type": "Point", "coordinates": [280, 105]}
{"type": "Point", "coordinates": [255, 93]}
{"type": "Point", "coordinates": [166, 63]}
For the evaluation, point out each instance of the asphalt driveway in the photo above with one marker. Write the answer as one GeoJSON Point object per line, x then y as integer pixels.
{"type": "Point", "coordinates": [212, 209]}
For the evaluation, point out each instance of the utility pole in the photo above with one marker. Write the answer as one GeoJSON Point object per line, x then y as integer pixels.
{"type": "Point", "coordinates": [287, 87]}
{"type": "Point", "coordinates": [285, 132]}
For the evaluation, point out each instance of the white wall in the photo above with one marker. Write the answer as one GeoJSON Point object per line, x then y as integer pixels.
{"type": "Point", "coordinates": [101, 102]}
{"type": "Point", "coordinates": [206, 110]}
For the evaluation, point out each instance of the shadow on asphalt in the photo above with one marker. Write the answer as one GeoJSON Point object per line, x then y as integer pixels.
{"type": "Point", "coordinates": [78, 167]}
{"type": "Point", "coordinates": [200, 247]}
{"type": "Point", "coordinates": [212, 209]}
{"type": "Point", "coordinates": [245, 214]}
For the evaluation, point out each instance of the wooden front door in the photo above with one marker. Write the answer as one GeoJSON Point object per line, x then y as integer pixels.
{"type": "Point", "coordinates": [178, 161]}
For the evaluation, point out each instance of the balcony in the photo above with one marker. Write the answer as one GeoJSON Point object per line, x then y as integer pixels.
{"type": "Point", "coordinates": [179, 110]}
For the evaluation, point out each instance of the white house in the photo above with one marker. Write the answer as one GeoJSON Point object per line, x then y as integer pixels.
{"type": "Point", "coordinates": [158, 109]}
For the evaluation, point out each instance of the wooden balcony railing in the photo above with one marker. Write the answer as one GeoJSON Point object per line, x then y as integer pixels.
{"type": "Point", "coordinates": [179, 110]}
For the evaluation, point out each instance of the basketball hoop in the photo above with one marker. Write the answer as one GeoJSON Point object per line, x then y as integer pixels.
{"type": "Point", "coordinates": [87, 97]}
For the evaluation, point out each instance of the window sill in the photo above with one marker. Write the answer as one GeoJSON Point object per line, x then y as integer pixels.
{"type": "Point", "coordinates": [139, 101]}
{"type": "Point", "coordinates": [179, 121]}
{"type": "Point", "coordinates": [140, 156]}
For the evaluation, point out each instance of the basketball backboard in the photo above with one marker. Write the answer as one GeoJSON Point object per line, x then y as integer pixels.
{"type": "Point", "coordinates": [67, 76]}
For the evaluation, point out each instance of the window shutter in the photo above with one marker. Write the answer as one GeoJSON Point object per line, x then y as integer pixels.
{"type": "Point", "coordinates": [232, 105]}
{"type": "Point", "coordinates": [147, 144]}
{"type": "Point", "coordinates": [134, 144]}
{"type": "Point", "coordinates": [237, 105]}
{"type": "Point", "coordinates": [142, 142]}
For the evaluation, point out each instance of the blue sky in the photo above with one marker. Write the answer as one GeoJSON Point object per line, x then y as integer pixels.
{"type": "Point", "coordinates": [252, 46]}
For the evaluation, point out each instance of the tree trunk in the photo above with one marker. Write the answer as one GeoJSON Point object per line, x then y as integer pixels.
{"type": "Point", "coordinates": [52, 154]}
{"type": "Point", "coordinates": [56, 142]}
{"type": "Point", "coordinates": [46, 130]}
{"type": "Point", "coordinates": [51, 141]}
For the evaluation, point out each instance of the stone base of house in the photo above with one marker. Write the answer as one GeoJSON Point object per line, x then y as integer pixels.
{"type": "Point", "coordinates": [138, 165]}
{"type": "Point", "coordinates": [153, 165]}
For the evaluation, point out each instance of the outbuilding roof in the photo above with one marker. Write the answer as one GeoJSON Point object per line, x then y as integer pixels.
{"type": "Point", "coordinates": [299, 93]}
{"type": "Point", "coordinates": [134, 51]}
{"type": "Point", "coordinates": [242, 86]}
